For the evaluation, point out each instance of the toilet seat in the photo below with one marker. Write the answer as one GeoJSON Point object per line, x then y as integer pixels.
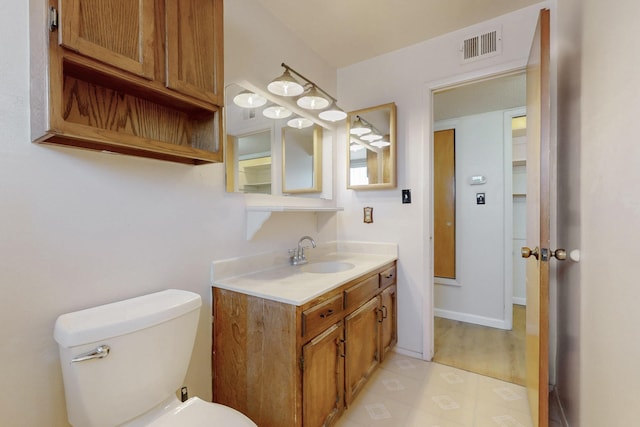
{"type": "Point", "coordinates": [196, 412]}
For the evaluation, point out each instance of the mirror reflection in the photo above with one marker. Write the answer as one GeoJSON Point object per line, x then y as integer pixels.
{"type": "Point", "coordinates": [302, 160]}
{"type": "Point", "coordinates": [264, 138]}
{"type": "Point", "coordinates": [254, 162]}
{"type": "Point", "coordinates": [371, 133]}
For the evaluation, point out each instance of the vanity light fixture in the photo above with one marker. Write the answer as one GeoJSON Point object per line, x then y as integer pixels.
{"type": "Point", "coordinates": [371, 137]}
{"type": "Point", "coordinates": [333, 114]}
{"type": "Point", "coordinates": [276, 112]}
{"type": "Point", "coordinates": [380, 144]}
{"type": "Point", "coordinates": [247, 99]}
{"type": "Point", "coordinates": [313, 100]}
{"type": "Point", "coordinates": [285, 85]}
{"type": "Point", "coordinates": [312, 96]}
{"type": "Point", "coordinates": [384, 142]}
{"type": "Point", "coordinates": [299, 123]}
{"type": "Point", "coordinates": [359, 127]}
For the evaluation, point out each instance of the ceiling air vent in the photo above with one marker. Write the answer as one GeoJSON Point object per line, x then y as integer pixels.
{"type": "Point", "coordinates": [480, 46]}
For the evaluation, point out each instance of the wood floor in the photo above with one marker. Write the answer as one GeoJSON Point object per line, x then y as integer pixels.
{"type": "Point", "coordinates": [487, 351]}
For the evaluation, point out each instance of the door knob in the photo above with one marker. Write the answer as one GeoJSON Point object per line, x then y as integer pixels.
{"type": "Point", "coordinates": [526, 252]}
{"type": "Point", "coordinates": [560, 254]}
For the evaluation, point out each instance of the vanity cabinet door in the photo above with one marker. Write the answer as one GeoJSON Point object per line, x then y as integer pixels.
{"type": "Point", "coordinates": [123, 34]}
{"type": "Point", "coordinates": [388, 320]}
{"type": "Point", "coordinates": [361, 346]}
{"type": "Point", "coordinates": [195, 49]}
{"type": "Point", "coordinates": [135, 77]}
{"type": "Point", "coordinates": [323, 378]}
{"type": "Point", "coordinates": [116, 32]}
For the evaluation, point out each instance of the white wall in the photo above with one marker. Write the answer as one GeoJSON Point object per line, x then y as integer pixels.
{"type": "Point", "coordinates": [477, 294]}
{"type": "Point", "coordinates": [404, 77]}
{"type": "Point", "coordinates": [80, 228]}
{"type": "Point", "coordinates": [599, 207]}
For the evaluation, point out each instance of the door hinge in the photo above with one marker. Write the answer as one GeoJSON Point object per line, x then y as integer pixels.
{"type": "Point", "coordinates": [302, 363]}
{"type": "Point", "coordinates": [53, 19]}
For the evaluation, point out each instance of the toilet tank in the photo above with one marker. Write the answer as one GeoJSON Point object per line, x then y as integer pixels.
{"type": "Point", "coordinates": [150, 339]}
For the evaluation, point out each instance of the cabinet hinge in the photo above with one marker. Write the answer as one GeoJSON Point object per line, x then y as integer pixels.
{"type": "Point", "coordinates": [53, 19]}
{"type": "Point", "coordinates": [302, 363]}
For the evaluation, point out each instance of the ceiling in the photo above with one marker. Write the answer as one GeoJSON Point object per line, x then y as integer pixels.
{"type": "Point", "coordinates": [344, 32]}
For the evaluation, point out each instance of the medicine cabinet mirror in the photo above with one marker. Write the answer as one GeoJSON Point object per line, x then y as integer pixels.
{"type": "Point", "coordinates": [264, 154]}
{"type": "Point", "coordinates": [301, 160]}
{"type": "Point", "coordinates": [371, 151]}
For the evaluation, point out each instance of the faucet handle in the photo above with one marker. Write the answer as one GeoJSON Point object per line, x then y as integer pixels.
{"type": "Point", "coordinates": [293, 256]}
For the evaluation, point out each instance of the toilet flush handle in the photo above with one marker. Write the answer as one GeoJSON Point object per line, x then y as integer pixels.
{"type": "Point", "coordinates": [96, 353]}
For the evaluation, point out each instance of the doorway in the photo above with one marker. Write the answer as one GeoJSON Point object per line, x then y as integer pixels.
{"type": "Point", "coordinates": [477, 327]}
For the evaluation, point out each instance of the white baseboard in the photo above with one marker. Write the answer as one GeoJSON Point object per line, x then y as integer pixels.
{"type": "Point", "coordinates": [471, 318]}
{"type": "Point", "coordinates": [519, 301]}
{"type": "Point", "coordinates": [409, 353]}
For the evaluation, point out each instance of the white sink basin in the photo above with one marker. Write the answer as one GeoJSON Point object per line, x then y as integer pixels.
{"type": "Point", "coordinates": [327, 267]}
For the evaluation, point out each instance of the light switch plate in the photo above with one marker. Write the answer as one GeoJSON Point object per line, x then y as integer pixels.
{"type": "Point", "coordinates": [406, 196]}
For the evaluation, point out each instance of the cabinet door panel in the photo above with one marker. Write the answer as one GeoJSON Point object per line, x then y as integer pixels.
{"type": "Point", "coordinates": [194, 48]}
{"type": "Point", "coordinates": [116, 32]}
{"type": "Point", "coordinates": [388, 331]}
{"type": "Point", "coordinates": [361, 346]}
{"type": "Point", "coordinates": [323, 378]}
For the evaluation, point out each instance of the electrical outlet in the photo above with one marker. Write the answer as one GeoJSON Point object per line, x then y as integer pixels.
{"type": "Point", "coordinates": [406, 196]}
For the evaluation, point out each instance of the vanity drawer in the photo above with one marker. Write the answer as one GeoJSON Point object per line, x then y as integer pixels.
{"type": "Point", "coordinates": [357, 295]}
{"type": "Point", "coordinates": [388, 277]}
{"type": "Point", "coordinates": [321, 316]}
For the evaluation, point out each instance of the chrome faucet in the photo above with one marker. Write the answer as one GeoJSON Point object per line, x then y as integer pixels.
{"type": "Point", "coordinates": [297, 256]}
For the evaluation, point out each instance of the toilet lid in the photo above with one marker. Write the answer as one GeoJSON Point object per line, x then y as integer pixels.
{"type": "Point", "coordinates": [195, 412]}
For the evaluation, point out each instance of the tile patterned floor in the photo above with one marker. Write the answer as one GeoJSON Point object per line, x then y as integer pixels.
{"type": "Point", "coordinates": [407, 392]}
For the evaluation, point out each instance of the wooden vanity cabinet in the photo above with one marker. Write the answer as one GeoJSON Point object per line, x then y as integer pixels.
{"type": "Point", "coordinates": [388, 320]}
{"type": "Point", "coordinates": [137, 77]}
{"type": "Point", "coordinates": [292, 366]}
{"type": "Point", "coordinates": [323, 377]}
{"type": "Point", "coordinates": [388, 311]}
{"type": "Point", "coordinates": [118, 32]}
{"type": "Point", "coordinates": [362, 344]}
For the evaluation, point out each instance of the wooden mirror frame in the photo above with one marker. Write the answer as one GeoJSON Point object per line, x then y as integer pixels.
{"type": "Point", "coordinates": [377, 116]}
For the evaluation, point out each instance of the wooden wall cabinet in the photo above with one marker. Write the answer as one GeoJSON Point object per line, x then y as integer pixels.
{"type": "Point", "coordinates": [293, 366]}
{"type": "Point", "coordinates": [138, 77]}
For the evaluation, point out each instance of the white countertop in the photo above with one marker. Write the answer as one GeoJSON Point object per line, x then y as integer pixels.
{"type": "Point", "coordinates": [291, 285]}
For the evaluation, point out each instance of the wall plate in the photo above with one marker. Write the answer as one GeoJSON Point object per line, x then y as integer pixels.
{"type": "Point", "coordinates": [368, 215]}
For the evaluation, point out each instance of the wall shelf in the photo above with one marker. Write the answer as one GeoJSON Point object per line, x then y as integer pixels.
{"type": "Point", "coordinates": [258, 215]}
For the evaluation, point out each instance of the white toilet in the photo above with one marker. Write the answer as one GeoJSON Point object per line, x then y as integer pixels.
{"type": "Point", "coordinates": [122, 364]}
